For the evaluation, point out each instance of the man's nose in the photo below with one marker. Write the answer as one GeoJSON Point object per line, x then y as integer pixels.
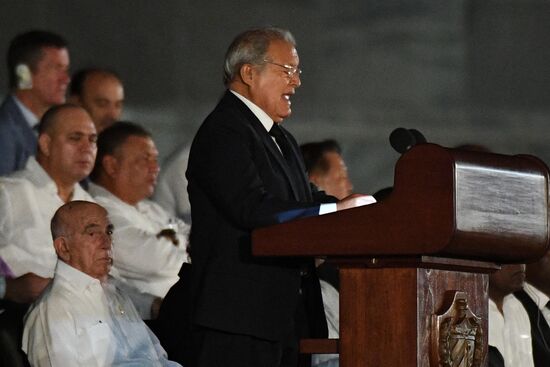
{"type": "Point", "coordinates": [113, 113]}
{"type": "Point", "coordinates": [87, 145]}
{"type": "Point", "coordinates": [295, 80]}
{"type": "Point", "coordinates": [106, 241]}
{"type": "Point", "coordinates": [65, 77]}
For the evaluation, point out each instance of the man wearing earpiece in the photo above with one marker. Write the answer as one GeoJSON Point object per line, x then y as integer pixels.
{"type": "Point", "coordinates": [38, 64]}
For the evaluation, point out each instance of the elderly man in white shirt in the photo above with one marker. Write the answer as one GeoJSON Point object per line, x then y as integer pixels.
{"type": "Point", "coordinates": [82, 319]}
{"type": "Point", "coordinates": [29, 198]}
{"type": "Point", "coordinates": [150, 246]}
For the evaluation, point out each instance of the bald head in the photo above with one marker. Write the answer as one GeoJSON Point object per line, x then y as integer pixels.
{"type": "Point", "coordinates": [82, 232]}
{"type": "Point", "coordinates": [65, 218]}
{"type": "Point", "coordinates": [54, 116]}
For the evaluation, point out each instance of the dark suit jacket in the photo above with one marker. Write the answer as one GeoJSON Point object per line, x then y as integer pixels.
{"type": "Point", "coordinates": [17, 139]}
{"type": "Point", "coordinates": [239, 181]}
{"type": "Point", "coordinates": [540, 330]}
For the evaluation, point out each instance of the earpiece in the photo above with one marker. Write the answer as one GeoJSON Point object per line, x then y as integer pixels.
{"type": "Point", "coordinates": [24, 76]}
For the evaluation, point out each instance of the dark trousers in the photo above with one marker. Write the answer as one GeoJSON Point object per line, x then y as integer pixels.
{"type": "Point", "coordinates": [214, 348]}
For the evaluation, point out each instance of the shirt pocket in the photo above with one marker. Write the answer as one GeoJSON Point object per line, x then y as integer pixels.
{"type": "Point", "coordinates": [97, 344]}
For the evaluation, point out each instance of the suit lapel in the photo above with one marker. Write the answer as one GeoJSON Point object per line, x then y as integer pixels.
{"type": "Point", "coordinates": [304, 180]}
{"type": "Point", "coordinates": [268, 142]}
{"type": "Point", "coordinates": [23, 128]}
{"type": "Point", "coordinates": [276, 154]}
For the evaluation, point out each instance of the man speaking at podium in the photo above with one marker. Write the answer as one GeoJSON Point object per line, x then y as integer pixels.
{"type": "Point", "coordinates": [245, 172]}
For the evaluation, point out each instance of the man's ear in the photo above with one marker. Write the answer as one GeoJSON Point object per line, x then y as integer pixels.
{"type": "Point", "coordinates": [44, 143]}
{"type": "Point", "coordinates": [62, 249]}
{"type": "Point", "coordinates": [110, 165]}
{"type": "Point", "coordinates": [247, 73]}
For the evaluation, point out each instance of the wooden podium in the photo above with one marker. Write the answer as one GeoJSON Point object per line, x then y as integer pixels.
{"type": "Point", "coordinates": [414, 267]}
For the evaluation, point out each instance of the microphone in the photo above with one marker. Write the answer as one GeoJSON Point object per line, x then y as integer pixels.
{"type": "Point", "coordinates": [418, 136]}
{"type": "Point", "coordinates": [402, 139]}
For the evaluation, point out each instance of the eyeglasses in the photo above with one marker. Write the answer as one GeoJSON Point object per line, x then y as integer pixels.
{"type": "Point", "coordinates": [290, 70]}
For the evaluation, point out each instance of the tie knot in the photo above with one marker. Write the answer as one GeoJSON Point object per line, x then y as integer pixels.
{"type": "Point", "coordinates": [276, 131]}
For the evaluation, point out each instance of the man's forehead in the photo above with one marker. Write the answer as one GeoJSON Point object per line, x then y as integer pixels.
{"type": "Point", "coordinates": [282, 48]}
{"type": "Point", "coordinates": [139, 142]}
{"type": "Point", "coordinates": [93, 217]}
{"type": "Point", "coordinates": [74, 120]}
{"type": "Point", "coordinates": [51, 53]}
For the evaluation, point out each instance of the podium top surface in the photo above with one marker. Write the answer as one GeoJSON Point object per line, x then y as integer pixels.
{"type": "Point", "coordinates": [445, 202]}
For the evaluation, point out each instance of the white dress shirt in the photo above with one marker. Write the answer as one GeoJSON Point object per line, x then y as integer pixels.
{"type": "Point", "coordinates": [28, 201]}
{"type": "Point", "coordinates": [144, 261]}
{"type": "Point", "coordinates": [171, 189]}
{"type": "Point", "coordinates": [79, 321]}
{"type": "Point", "coordinates": [511, 333]}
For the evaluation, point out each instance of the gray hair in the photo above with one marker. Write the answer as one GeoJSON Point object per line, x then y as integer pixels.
{"type": "Point", "coordinates": [250, 47]}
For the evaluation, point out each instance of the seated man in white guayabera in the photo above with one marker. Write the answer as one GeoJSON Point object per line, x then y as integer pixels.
{"type": "Point", "coordinates": [29, 198]}
{"type": "Point", "coordinates": [150, 246]}
{"type": "Point", "coordinates": [82, 318]}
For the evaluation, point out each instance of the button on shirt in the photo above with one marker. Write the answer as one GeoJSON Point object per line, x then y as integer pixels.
{"type": "Point", "coordinates": [511, 333]}
{"type": "Point", "coordinates": [79, 321]}
{"type": "Point", "coordinates": [28, 201]}
{"type": "Point", "coordinates": [144, 261]}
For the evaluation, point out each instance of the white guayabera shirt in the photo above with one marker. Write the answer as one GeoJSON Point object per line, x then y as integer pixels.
{"type": "Point", "coordinates": [144, 261]}
{"type": "Point", "coordinates": [79, 321]}
{"type": "Point", "coordinates": [28, 201]}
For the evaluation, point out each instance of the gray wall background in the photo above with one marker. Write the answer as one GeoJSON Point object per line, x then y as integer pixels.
{"type": "Point", "coordinates": [474, 71]}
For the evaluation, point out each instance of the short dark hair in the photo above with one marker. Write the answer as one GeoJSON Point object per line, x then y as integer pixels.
{"type": "Point", "coordinates": [314, 154]}
{"type": "Point", "coordinates": [78, 80]}
{"type": "Point", "coordinates": [110, 139]}
{"type": "Point", "coordinates": [26, 48]}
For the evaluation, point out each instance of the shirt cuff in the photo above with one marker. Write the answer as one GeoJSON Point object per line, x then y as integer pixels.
{"type": "Point", "coordinates": [2, 287]}
{"type": "Point", "coordinates": [327, 208]}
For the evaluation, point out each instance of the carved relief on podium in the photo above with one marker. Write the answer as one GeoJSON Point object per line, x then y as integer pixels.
{"type": "Point", "coordinates": [457, 335]}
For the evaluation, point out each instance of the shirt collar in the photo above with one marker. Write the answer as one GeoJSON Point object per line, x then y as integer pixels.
{"type": "Point", "coordinates": [536, 295]}
{"type": "Point", "coordinates": [31, 118]}
{"type": "Point", "coordinates": [35, 173]}
{"type": "Point", "coordinates": [78, 279]}
{"type": "Point", "coordinates": [264, 118]}
{"type": "Point", "coordinates": [99, 191]}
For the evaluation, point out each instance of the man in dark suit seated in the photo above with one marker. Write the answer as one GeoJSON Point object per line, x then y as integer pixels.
{"type": "Point", "coordinates": [245, 171]}
{"type": "Point", "coordinates": [38, 64]}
